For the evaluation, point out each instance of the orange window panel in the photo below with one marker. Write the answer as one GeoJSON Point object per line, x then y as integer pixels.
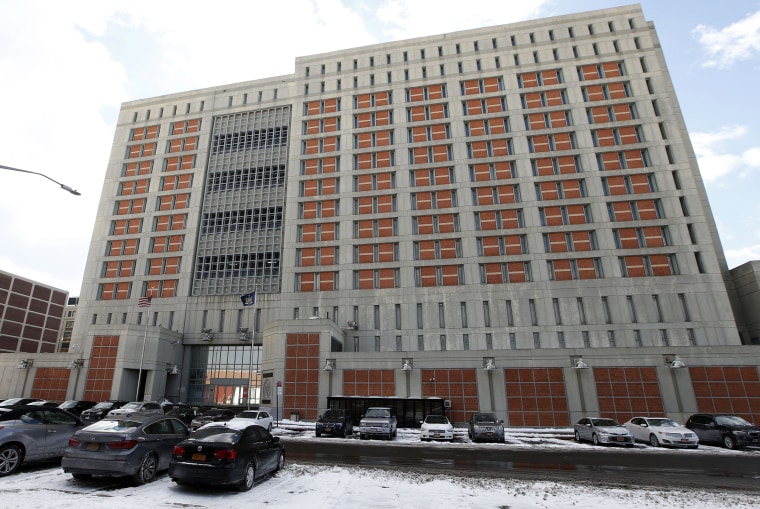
{"type": "Point", "coordinates": [581, 241]}
{"type": "Point", "coordinates": [541, 143]}
{"type": "Point", "coordinates": [500, 147]}
{"type": "Point", "coordinates": [365, 230]}
{"type": "Point", "coordinates": [605, 137]}
{"type": "Point", "coordinates": [509, 219]}
{"type": "Point", "coordinates": [419, 155]}
{"type": "Point", "coordinates": [366, 279]}
{"type": "Point", "coordinates": [491, 85]}
{"type": "Point", "coordinates": [164, 203]}
{"type": "Point", "coordinates": [138, 133]}
{"type": "Point", "coordinates": [474, 107]}
{"type": "Point", "coordinates": [311, 146]}
{"type": "Point", "coordinates": [172, 265]}
{"type": "Point", "coordinates": [646, 209]}
{"type": "Point", "coordinates": [138, 206]}
{"type": "Point", "coordinates": [529, 79]}
{"type": "Point", "coordinates": [130, 247]}
{"type": "Point", "coordinates": [611, 70]}
{"type": "Point", "coordinates": [364, 183]}
{"type": "Point", "coordinates": [417, 113]}
{"type": "Point", "coordinates": [537, 121]}
{"type": "Point", "coordinates": [384, 204]}
{"type": "Point", "coordinates": [312, 126]}
{"type": "Point", "coordinates": [331, 105]}
{"type": "Point", "coordinates": [311, 167]}
{"type": "Point", "coordinates": [169, 288]}
{"type": "Point", "coordinates": [309, 233]}
{"type": "Point", "coordinates": [427, 250]}
{"type": "Point", "coordinates": [159, 244]}
{"type": "Point", "coordinates": [387, 278]}
{"type": "Point", "coordinates": [438, 132]}
{"type": "Point", "coordinates": [383, 138]}
{"type": "Point", "coordinates": [112, 269]}
{"type": "Point", "coordinates": [191, 143]}
{"type": "Point", "coordinates": [330, 144]}
{"type": "Point", "coordinates": [595, 93]}
{"type": "Point", "coordinates": [493, 273]}
{"type": "Point", "coordinates": [628, 135]}
{"type": "Point", "coordinates": [127, 268]}
{"type": "Point", "coordinates": [329, 186]}
{"type": "Point", "coordinates": [416, 94]}
{"type": "Point", "coordinates": [307, 281]}
{"type": "Point", "coordinates": [134, 151]}
{"type": "Point", "coordinates": [563, 141]}
{"type": "Point", "coordinates": [635, 266]}
{"type": "Point", "coordinates": [363, 101]}
{"type": "Point", "coordinates": [557, 242]}
{"type": "Point", "coordinates": [172, 164]}
{"type": "Point", "coordinates": [479, 149]}
{"type": "Point", "coordinates": [329, 164]}
{"type": "Point", "coordinates": [177, 128]}
{"type": "Point", "coordinates": [185, 181]}
{"type": "Point", "coordinates": [554, 98]}
{"type": "Point", "coordinates": [490, 246]}
{"type": "Point", "coordinates": [435, 92]}
{"type": "Point", "coordinates": [366, 253]}
{"type": "Point", "coordinates": [313, 108]}
{"type": "Point", "coordinates": [440, 153]}
{"type": "Point", "coordinates": [437, 111]}
{"type": "Point", "coordinates": [532, 100]}
{"type": "Point", "coordinates": [364, 161]}
{"type": "Point", "coordinates": [107, 291]}
{"type": "Point", "coordinates": [576, 214]}
{"type": "Point", "coordinates": [126, 188]}
{"type": "Point", "coordinates": [327, 256]}
{"type": "Point", "coordinates": [611, 161]}
{"type": "Point", "coordinates": [600, 115]}
{"type": "Point", "coordinates": [326, 281]}
{"type": "Point", "coordinates": [120, 227]}
{"type": "Point", "coordinates": [310, 210]}
{"type": "Point", "coordinates": [141, 186]}
{"type": "Point", "coordinates": [622, 112]}
{"type": "Point", "coordinates": [590, 72]}
{"type": "Point", "coordinates": [365, 205]}
{"type": "Point", "coordinates": [424, 225]}
{"type": "Point", "coordinates": [178, 222]}
{"type": "Point", "coordinates": [384, 181]}
{"type": "Point", "coordinates": [385, 227]}
{"type": "Point", "coordinates": [446, 223]}
{"type": "Point", "coordinates": [482, 172]}
{"type": "Point", "coordinates": [151, 132]}
{"type": "Point", "coordinates": [442, 176]}
{"type": "Point", "coordinates": [497, 126]}
{"type": "Point", "coordinates": [634, 159]}
{"type": "Point", "coordinates": [444, 199]}
{"type": "Point", "coordinates": [328, 231]}
{"type": "Point", "coordinates": [448, 248]}
{"type": "Point", "coordinates": [131, 170]}
{"type": "Point", "coordinates": [181, 201]}
{"type": "Point", "coordinates": [640, 184]}
{"type": "Point", "coordinates": [488, 220]}
{"type": "Point", "coordinates": [364, 140]}
{"type": "Point", "coordinates": [363, 120]}
{"type": "Point", "coordinates": [516, 272]}
{"type": "Point", "coordinates": [419, 134]}
{"type": "Point", "coordinates": [386, 253]}
{"type": "Point", "coordinates": [550, 77]}
{"type": "Point", "coordinates": [586, 269]}
{"type": "Point", "coordinates": [622, 211]}
{"type": "Point", "coordinates": [653, 236]}
{"type": "Point", "coordinates": [572, 188]}
{"type": "Point", "coordinates": [149, 149]}
{"type": "Point", "coordinates": [154, 266]}
{"type": "Point", "coordinates": [628, 238]}
{"type": "Point", "coordinates": [175, 146]}
{"type": "Point", "coordinates": [544, 167]}
{"type": "Point", "coordinates": [122, 207]}
{"type": "Point", "coordinates": [424, 201]}
{"type": "Point", "coordinates": [513, 245]}
{"type": "Point", "coordinates": [660, 265]}
{"type": "Point", "coordinates": [566, 165]}
{"type": "Point", "coordinates": [382, 98]}
{"type": "Point", "coordinates": [427, 276]}
{"type": "Point", "coordinates": [549, 191]}
{"type": "Point", "coordinates": [383, 118]}
{"type": "Point", "coordinates": [553, 216]}
{"type": "Point", "coordinates": [308, 257]}
{"type": "Point", "coordinates": [617, 91]}
{"type": "Point", "coordinates": [383, 159]}
{"type": "Point", "coordinates": [471, 87]}
{"type": "Point", "coordinates": [562, 270]}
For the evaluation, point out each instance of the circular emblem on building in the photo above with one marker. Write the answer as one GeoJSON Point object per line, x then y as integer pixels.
{"type": "Point", "coordinates": [266, 389]}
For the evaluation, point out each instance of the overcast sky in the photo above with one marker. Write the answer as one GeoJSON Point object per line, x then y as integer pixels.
{"type": "Point", "coordinates": [66, 67]}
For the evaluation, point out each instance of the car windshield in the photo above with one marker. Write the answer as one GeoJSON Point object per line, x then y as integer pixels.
{"type": "Point", "coordinates": [119, 425]}
{"type": "Point", "coordinates": [667, 423]}
{"type": "Point", "coordinates": [132, 406]}
{"type": "Point", "coordinates": [333, 414]}
{"type": "Point", "coordinates": [216, 434]}
{"type": "Point", "coordinates": [68, 404]}
{"type": "Point", "coordinates": [248, 415]}
{"type": "Point", "coordinates": [731, 420]}
{"type": "Point", "coordinates": [378, 412]}
{"type": "Point", "coordinates": [604, 422]}
{"type": "Point", "coordinates": [484, 418]}
{"type": "Point", "coordinates": [436, 419]}
{"type": "Point", "coordinates": [214, 413]}
{"type": "Point", "coordinates": [105, 405]}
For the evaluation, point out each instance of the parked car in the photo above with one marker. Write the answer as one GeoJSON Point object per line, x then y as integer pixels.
{"type": "Point", "coordinates": [601, 431]}
{"type": "Point", "coordinates": [136, 408]}
{"type": "Point", "coordinates": [336, 422]}
{"type": "Point", "coordinates": [44, 402]}
{"type": "Point", "coordinates": [76, 407]}
{"type": "Point", "coordinates": [485, 428]}
{"type": "Point", "coordinates": [378, 421]}
{"type": "Point", "coordinates": [232, 454]}
{"type": "Point", "coordinates": [731, 431]}
{"type": "Point", "coordinates": [436, 427]}
{"type": "Point", "coordinates": [137, 446]}
{"type": "Point", "coordinates": [29, 433]}
{"type": "Point", "coordinates": [661, 431]}
{"type": "Point", "coordinates": [18, 401]}
{"type": "Point", "coordinates": [185, 413]}
{"type": "Point", "coordinates": [100, 410]}
{"type": "Point", "coordinates": [260, 417]}
{"type": "Point", "coordinates": [213, 415]}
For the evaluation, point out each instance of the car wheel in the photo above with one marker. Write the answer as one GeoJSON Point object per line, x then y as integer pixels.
{"type": "Point", "coordinates": [577, 437]}
{"type": "Point", "coordinates": [595, 439]}
{"type": "Point", "coordinates": [343, 433]}
{"type": "Point", "coordinates": [270, 427]}
{"type": "Point", "coordinates": [147, 471]}
{"type": "Point", "coordinates": [10, 459]}
{"type": "Point", "coordinates": [318, 434]}
{"type": "Point", "coordinates": [250, 474]}
{"type": "Point", "coordinates": [729, 442]}
{"type": "Point", "coordinates": [362, 436]}
{"type": "Point", "coordinates": [280, 462]}
{"type": "Point", "coordinates": [390, 436]}
{"type": "Point", "coordinates": [653, 440]}
{"type": "Point", "coordinates": [81, 477]}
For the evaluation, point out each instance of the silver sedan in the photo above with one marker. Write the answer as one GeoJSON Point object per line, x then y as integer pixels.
{"type": "Point", "coordinates": [602, 431]}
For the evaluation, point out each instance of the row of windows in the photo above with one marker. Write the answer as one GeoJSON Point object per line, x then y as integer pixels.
{"type": "Point", "coordinates": [153, 266]}
{"type": "Point", "coordinates": [250, 140]}
{"type": "Point", "coordinates": [238, 265]}
{"type": "Point", "coordinates": [125, 247]}
{"type": "Point", "coordinates": [241, 220]}
{"type": "Point", "coordinates": [247, 178]}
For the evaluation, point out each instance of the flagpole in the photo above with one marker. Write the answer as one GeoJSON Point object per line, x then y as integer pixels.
{"type": "Point", "coordinates": [142, 358]}
{"type": "Point", "coordinates": [250, 355]}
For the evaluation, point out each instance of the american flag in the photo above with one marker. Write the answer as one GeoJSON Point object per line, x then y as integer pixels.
{"type": "Point", "coordinates": [144, 302]}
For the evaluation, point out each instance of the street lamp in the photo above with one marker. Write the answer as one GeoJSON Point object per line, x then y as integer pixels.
{"type": "Point", "coordinates": [63, 186]}
{"type": "Point", "coordinates": [25, 364]}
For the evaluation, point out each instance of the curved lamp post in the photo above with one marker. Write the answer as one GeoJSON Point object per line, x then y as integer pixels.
{"type": "Point", "coordinates": [63, 186]}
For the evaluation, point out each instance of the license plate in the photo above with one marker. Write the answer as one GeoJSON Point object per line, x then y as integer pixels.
{"type": "Point", "coordinates": [489, 433]}
{"type": "Point", "coordinates": [199, 457]}
{"type": "Point", "coordinates": [437, 435]}
{"type": "Point", "coordinates": [328, 430]}
{"type": "Point", "coordinates": [621, 439]}
{"type": "Point", "coordinates": [684, 440]}
{"type": "Point", "coordinates": [93, 447]}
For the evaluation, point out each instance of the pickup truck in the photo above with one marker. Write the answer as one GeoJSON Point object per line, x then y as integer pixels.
{"type": "Point", "coordinates": [378, 421]}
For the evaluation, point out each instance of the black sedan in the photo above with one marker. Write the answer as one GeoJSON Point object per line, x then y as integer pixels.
{"type": "Point", "coordinates": [227, 454]}
{"type": "Point", "coordinates": [334, 422]}
{"type": "Point", "coordinates": [137, 446]}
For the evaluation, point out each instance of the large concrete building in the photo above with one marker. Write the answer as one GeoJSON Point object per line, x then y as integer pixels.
{"type": "Point", "coordinates": [509, 218]}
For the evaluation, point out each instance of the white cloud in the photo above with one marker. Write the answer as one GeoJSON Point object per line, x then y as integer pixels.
{"type": "Point", "coordinates": [714, 163]}
{"type": "Point", "coordinates": [734, 43]}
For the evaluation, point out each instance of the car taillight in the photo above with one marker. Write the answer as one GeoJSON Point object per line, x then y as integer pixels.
{"type": "Point", "coordinates": [226, 454]}
{"type": "Point", "coordinates": [73, 442]}
{"type": "Point", "coordinates": [178, 451]}
{"type": "Point", "coordinates": [122, 444]}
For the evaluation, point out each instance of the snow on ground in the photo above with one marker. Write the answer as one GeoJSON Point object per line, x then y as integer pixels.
{"type": "Point", "coordinates": [300, 486]}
